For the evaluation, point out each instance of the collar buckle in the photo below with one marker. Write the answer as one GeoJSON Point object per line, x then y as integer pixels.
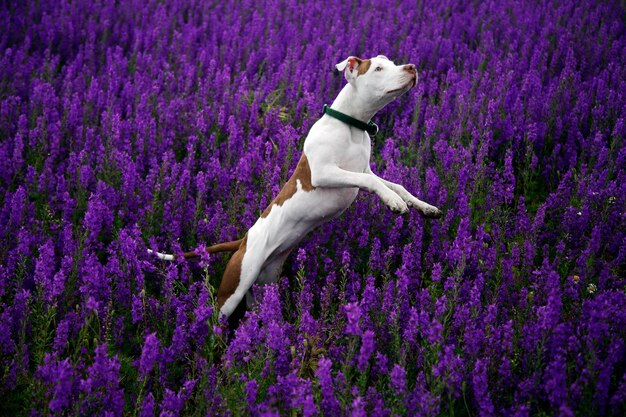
{"type": "Point", "coordinates": [372, 128]}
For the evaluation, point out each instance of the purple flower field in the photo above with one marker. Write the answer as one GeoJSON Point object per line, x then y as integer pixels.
{"type": "Point", "coordinates": [172, 124]}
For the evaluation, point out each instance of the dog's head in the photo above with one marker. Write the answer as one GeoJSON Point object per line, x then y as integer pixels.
{"type": "Point", "coordinates": [378, 79]}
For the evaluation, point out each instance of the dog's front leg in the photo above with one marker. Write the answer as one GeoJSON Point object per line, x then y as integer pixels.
{"type": "Point", "coordinates": [331, 176]}
{"type": "Point", "coordinates": [425, 209]}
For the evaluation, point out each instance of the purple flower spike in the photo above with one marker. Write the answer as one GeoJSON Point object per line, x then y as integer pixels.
{"type": "Point", "coordinates": [367, 348]}
{"type": "Point", "coordinates": [149, 354]}
{"type": "Point", "coordinates": [353, 315]}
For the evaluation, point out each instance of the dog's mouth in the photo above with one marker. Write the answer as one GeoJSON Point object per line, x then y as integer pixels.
{"type": "Point", "coordinates": [412, 82]}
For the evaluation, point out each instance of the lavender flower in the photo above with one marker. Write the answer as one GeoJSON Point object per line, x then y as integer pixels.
{"type": "Point", "coordinates": [353, 315]}
{"type": "Point", "coordinates": [149, 354]}
{"type": "Point", "coordinates": [147, 406]}
{"type": "Point", "coordinates": [367, 349]}
{"type": "Point", "coordinates": [329, 403]}
{"type": "Point", "coordinates": [481, 391]}
{"type": "Point", "coordinates": [397, 379]}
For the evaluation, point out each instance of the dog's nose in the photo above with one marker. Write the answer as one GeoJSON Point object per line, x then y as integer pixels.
{"type": "Point", "coordinates": [410, 68]}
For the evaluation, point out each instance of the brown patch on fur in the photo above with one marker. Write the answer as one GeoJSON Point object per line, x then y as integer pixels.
{"type": "Point", "coordinates": [302, 173]}
{"type": "Point", "coordinates": [364, 65]}
{"type": "Point", "coordinates": [230, 280]}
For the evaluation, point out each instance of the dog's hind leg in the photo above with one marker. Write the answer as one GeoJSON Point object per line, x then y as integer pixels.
{"type": "Point", "coordinates": [241, 272]}
{"type": "Point", "coordinates": [268, 274]}
{"type": "Point", "coordinates": [237, 315]}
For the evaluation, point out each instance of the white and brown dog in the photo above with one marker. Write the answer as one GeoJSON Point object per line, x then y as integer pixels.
{"type": "Point", "coordinates": [334, 166]}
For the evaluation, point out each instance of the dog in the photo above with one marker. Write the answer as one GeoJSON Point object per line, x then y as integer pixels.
{"type": "Point", "coordinates": [334, 166]}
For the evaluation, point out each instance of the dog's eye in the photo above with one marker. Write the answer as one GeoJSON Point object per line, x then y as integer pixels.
{"type": "Point", "coordinates": [378, 69]}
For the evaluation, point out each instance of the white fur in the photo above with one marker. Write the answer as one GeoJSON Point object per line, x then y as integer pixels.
{"type": "Point", "coordinates": [338, 156]}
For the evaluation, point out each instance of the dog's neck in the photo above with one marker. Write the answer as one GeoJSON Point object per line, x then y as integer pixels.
{"type": "Point", "coordinates": [350, 102]}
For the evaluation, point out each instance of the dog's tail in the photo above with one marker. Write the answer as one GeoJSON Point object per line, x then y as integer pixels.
{"type": "Point", "coordinates": [220, 247]}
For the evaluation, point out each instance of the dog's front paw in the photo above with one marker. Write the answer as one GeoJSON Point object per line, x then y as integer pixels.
{"type": "Point", "coordinates": [396, 204]}
{"type": "Point", "coordinates": [431, 212]}
{"type": "Point", "coordinates": [425, 209]}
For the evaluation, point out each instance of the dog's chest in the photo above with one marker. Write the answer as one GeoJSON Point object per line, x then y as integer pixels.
{"type": "Point", "coordinates": [353, 152]}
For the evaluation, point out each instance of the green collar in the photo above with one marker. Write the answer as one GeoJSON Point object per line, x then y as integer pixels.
{"type": "Point", "coordinates": [370, 127]}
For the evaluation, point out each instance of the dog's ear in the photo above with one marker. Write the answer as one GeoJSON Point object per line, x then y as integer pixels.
{"type": "Point", "coordinates": [351, 62]}
{"type": "Point", "coordinates": [353, 67]}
